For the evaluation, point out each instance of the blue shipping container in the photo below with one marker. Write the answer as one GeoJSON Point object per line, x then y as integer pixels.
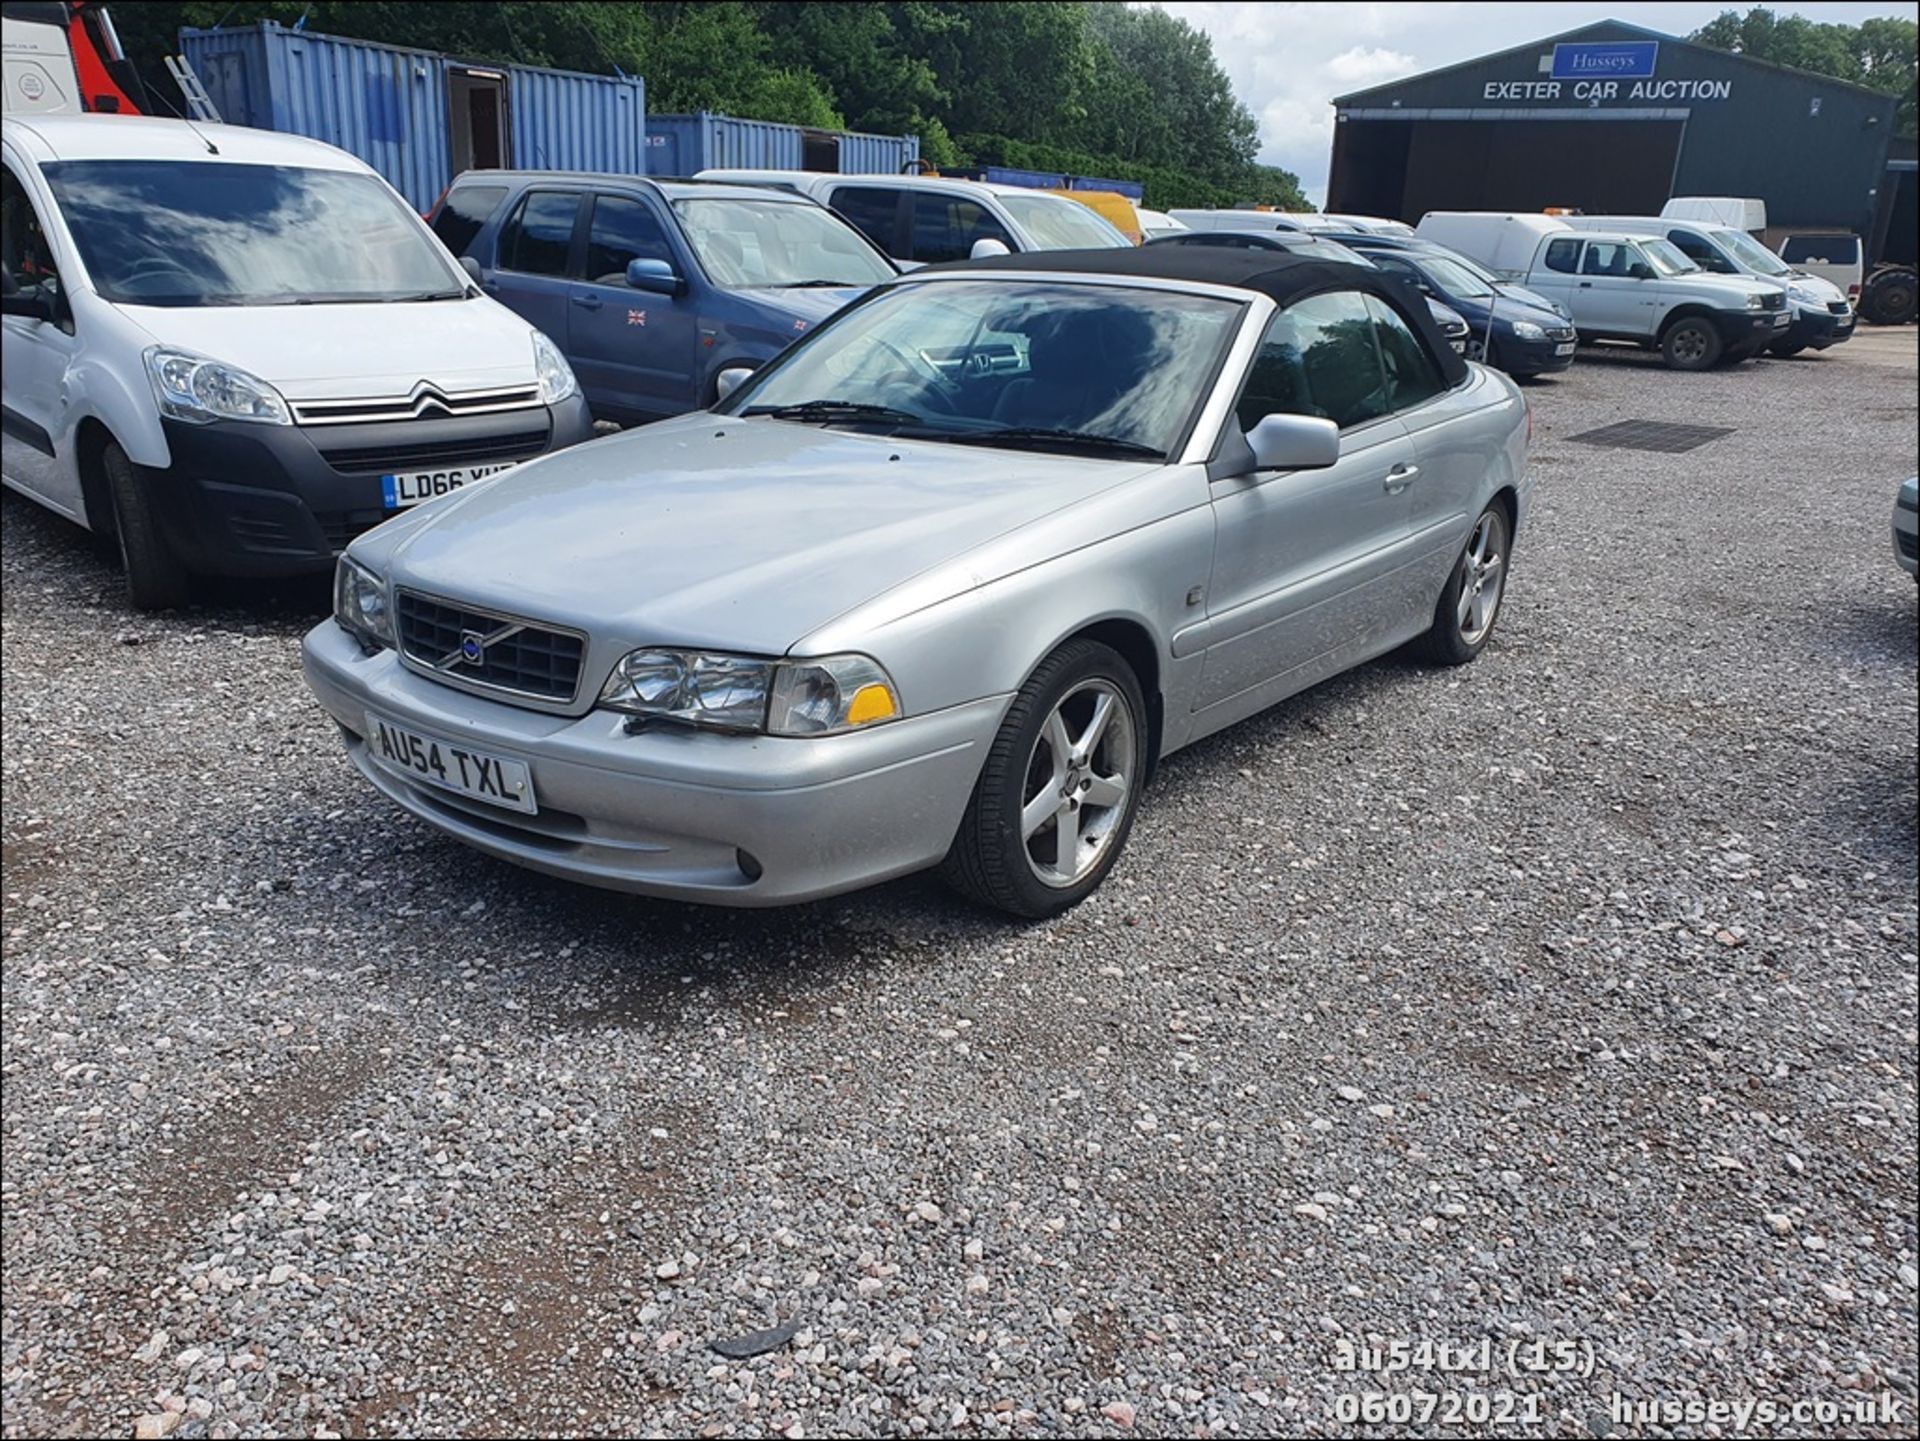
{"type": "Point", "coordinates": [687, 144]}
{"type": "Point", "coordinates": [396, 109]}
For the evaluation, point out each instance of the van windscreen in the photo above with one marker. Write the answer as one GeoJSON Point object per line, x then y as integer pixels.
{"type": "Point", "coordinates": [190, 233]}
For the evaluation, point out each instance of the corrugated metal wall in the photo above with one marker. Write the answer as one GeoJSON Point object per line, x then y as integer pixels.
{"type": "Point", "coordinates": [563, 120]}
{"type": "Point", "coordinates": [390, 106]}
{"type": "Point", "coordinates": [876, 154]}
{"type": "Point", "coordinates": [688, 144]}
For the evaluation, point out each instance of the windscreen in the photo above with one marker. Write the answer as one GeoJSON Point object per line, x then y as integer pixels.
{"type": "Point", "coordinates": [747, 243]}
{"type": "Point", "coordinates": [1454, 278]}
{"type": "Point", "coordinates": [1667, 258]}
{"type": "Point", "coordinates": [1750, 252]}
{"type": "Point", "coordinates": [190, 233]}
{"type": "Point", "coordinates": [1105, 370]}
{"type": "Point", "coordinates": [1060, 224]}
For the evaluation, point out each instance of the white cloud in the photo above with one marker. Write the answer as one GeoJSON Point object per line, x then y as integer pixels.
{"type": "Point", "coordinates": [1368, 65]}
{"type": "Point", "coordinates": [1288, 61]}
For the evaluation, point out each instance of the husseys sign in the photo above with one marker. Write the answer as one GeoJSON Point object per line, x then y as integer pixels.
{"type": "Point", "coordinates": [1617, 72]}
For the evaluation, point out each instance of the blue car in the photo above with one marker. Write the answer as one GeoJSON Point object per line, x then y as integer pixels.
{"type": "Point", "coordinates": [1529, 334]}
{"type": "Point", "coordinates": [652, 288]}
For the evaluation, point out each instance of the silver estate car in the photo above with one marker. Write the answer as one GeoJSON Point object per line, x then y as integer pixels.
{"type": "Point", "coordinates": [936, 586]}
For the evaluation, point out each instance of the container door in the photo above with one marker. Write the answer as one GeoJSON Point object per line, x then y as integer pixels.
{"type": "Point", "coordinates": [634, 350]}
{"type": "Point", "coordinates": [477, 101]}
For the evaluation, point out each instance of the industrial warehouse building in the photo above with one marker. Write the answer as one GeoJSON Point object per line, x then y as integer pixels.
{"type": "Point", "coordinates": [1613, 119]}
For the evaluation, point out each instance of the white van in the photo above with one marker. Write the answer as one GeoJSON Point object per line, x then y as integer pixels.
{"type": "Point", "coordinates": [232, 351]}
{"type": "Point", "coordinates": [1821, 316]}
{"type": "Point", "coordinates": [1504, 242]}
{"type": "Point", "coordinates": [923, 219]}
{"type": "Point", "coordinates": [1242, 221]}
{"type": "Point", "coordinates": [1737, 212]}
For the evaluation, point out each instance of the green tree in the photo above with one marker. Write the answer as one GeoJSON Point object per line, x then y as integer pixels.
{"type": "Point", "coordinates": [1878, 53]}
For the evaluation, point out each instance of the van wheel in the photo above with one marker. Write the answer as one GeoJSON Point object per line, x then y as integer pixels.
{"type": "Point", "coordinates": [1057, 795]}
{"type": "Point", "coordinates": [1889, 298]}
{"type": "Point", "coordinates": [1691, 344]}
{"type": "Point", "coordinates": [155, 578]}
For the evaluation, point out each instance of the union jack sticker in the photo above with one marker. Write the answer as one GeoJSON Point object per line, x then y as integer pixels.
{"type": "Point", "coordinates": [799, 325]}
{"type": "Point", "coordinates": [636, 317]}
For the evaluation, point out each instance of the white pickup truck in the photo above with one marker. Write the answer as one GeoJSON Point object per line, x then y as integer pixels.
{"type": "Point", "coordinates": [1635, 288]}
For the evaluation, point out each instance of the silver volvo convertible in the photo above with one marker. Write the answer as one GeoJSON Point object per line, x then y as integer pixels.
{"type": "Point", "coordinates": [938, 585]}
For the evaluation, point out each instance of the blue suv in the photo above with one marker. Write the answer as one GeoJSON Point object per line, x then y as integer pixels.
{"type": "Point", "coordinates": [652, 288]}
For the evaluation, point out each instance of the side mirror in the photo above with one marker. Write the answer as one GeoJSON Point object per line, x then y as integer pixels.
{"type": "Point", "coordinates": [8, 285]}
{"type": "Point", "coordinates": [1640, 270]}
{"type": "Point", "coordinates": [28, 307]}
{"type": "Point", "coordinates": [987, 246]}
{"type": "Point", "coordinates": [654, 275]}
{"type": "Point", "coordinates": [730, 380]}
{"type": "Point", "coordinates": [472, 267]}
{"type": "Point", "coordinates": [1294, 442]}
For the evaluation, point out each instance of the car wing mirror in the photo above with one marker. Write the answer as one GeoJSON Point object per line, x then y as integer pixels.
{"type": "Point", "coordinates": [472, 267]}
{"type": "Point", "coordinates": [987, 246]}
{"type": "Point", "coordinates": [1640, 270]}
{"type": "Point", "coordinates": [1278, 442]}
{"type": "Point", "coordinates": [730, 380]}
{"type": "Point", "coordinates": [29, 307]}
{"type": "Point", "coordinates": [8, 285]}
{"type": "Point", "coordinates": [656, 276]}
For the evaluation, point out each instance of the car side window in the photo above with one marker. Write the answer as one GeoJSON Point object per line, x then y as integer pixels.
{"type": "Point", "coordinates": [1821, 249]}
{"type": "Point", "coordinates": [945, 227]}
{"type": "Point", "coordinates": [465, 210]}
{"type": "Point", "coordinates": [538, 238]}
{"type": "Point", "coordinates": [623, 229]}
{"type": "Point", "coordinates": [1318, 357]}
{"type": "Point", "coordinates": [24, 250]}
{"type": "Point", "coordinates": [1413, 375]}
{"type": "Point", "coordinates": [870, 209]}
{"type": "Point", "coordinates": [1564, 256]}
{"type": "Point", "coordinates": [1605, 257]}
{"type": "Point", "coordinates": [1696, 249]}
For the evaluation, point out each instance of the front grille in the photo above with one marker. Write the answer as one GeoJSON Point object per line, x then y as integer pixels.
{"type": "Point", "coordinates": [1837, 307]}
{"type": "Point", "coordinates": [526, 658]}
{"type": "Point", "coordinates": [1560, 332]}
{"type": "Point", "coordinates": [1774, 300]}
{"type": "Point", "coordinates": [1909, 545]}
{"type": "Point", "coordinates": [425, 400]}
{"type": "Point", "coordinates": [434, 454]}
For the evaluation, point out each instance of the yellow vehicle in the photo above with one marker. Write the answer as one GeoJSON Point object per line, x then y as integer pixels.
{"type": "Point", "coordinates": [1111, 206]}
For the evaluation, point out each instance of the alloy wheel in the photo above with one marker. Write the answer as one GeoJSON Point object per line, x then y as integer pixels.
{"type": "Point", "coordinates": [1080, 777]}
{"type": "Point", "coordinates": [1483, 577]}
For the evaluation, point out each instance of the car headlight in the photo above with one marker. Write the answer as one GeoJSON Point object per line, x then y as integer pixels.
{"type": "Point", "coordinates": [557, 382]}
{"type": "Point", "coordinates": [1756, 302]}
{"type": "Point", "coordinates": [192, 387]}
{"type": "Point", "coordinates": [1800, 295]}
{"type": "Point", "coordinates": [1527, 330]}
{"type": "Point", "coordinates": [813, 697]}
{"type": "Point", "coordinates": [360, 604]}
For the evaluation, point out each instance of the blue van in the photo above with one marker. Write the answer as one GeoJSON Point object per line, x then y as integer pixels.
{"type": "Point", "coordinates": [652, 288]}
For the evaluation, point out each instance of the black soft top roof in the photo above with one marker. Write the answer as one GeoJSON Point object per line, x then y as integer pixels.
{"type": "Point", "coordinates": [1286, 276]}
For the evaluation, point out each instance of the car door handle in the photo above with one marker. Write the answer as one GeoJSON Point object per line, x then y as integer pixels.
{"type": "Point", "coordinates": [1400, 477]}
{"type": "Point", "coordinates": [1586, 285]}
{"type": "Point", "coordinates": [589, 301]}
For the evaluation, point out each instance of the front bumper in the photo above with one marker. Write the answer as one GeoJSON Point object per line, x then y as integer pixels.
{"type": "Point", "coordinates": [1531, 357]}
{"type": "Point", "coordinates": [672, 812]}
{"type": "Point", "coordinates": [1816, 329]}
{"type": "Point", "coordinates": [1747, 332]}
{"type": "Point", "coordinates": [271, 500]}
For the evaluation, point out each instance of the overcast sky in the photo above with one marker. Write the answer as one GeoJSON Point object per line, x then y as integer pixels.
{"type": "Point", "coordinates": [1287, 61]}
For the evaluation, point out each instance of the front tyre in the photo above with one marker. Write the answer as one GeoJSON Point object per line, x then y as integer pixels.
{"type": "Point", "coordinates": [1692, 344]}
{"type": "Point", "coordinates": [1469, 606]}
{"type": "Point", "coordinates": [155, 578]}
{"type": "Point", "coordinates": [1058, 792]}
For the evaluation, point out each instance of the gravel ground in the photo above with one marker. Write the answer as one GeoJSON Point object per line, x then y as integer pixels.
{"type": "Point", "coordinates": [1569, 997]}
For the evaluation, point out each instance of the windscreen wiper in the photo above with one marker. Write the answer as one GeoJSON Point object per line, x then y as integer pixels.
{"type": "Point", "coordinates": [1079, 439]}
{"type": "Point", "coordinates": [429, 295]}
{"type": "Point", "coordinates": [828, 411]}
{"type": "Point", "coordinates": [820, 285]}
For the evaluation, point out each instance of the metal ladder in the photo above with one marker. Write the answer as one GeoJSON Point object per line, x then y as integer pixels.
{"type": "Point", "coordinates": [199, 106]}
